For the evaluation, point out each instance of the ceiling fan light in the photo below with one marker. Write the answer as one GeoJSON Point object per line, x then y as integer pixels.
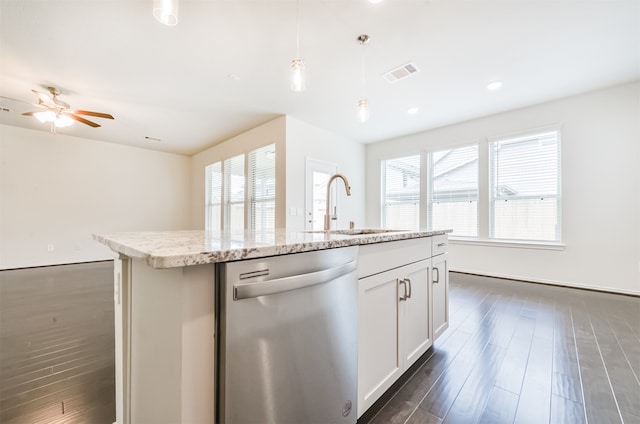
{"type": "Point", "coordinates": [166, 11]}
{"type": "Point", "coordinates": [46, 116]}
{"type": "Point", "coordinates": [62, 121]}
{"type": "Point", "coordinates": [297, 75]}
{"type": "Point", "coordinates": [363, 110]}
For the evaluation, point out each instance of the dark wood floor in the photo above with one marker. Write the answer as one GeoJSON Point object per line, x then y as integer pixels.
{"type": "Point", "coordinates": [514, 352]}
{"type": "Point", "coordinates": [527, 353]}
{"type": "Point", "coordinates": [57, 360]}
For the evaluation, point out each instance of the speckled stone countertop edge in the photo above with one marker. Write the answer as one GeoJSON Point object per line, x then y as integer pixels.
{"type": "Point", "coordinates": [172, 249]}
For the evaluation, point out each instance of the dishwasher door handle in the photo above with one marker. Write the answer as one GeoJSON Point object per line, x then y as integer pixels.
{"type": "Point", "coordinates": [264, 288]}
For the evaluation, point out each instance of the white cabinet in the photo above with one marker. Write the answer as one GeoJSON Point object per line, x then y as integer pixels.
{"type": "Point", "coordinates": [403, 306]}
{"type": "Point", "coordinates": [379, 362]}
{"type": "Point", "coordinates": [439, 285]}
{"type": "Point", "coordinates": [440, 295]}
{"type": "Point", "coordinates": [414, 320]}
{"type": "Point", "coordinates": [394, 327]}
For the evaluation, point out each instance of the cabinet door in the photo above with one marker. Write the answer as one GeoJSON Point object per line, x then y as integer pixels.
{"type": "Point", "coordinates": [379, 363]}
{"type": "Point", "coordinates": [440, 294]}
{"type": "Point", "coordinates": [415, 328]}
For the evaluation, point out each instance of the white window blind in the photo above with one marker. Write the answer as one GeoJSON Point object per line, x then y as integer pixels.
{"type": "Point", "coordinates": [525, 187]}
{"type": "Point", "coordinates": [262, 188]}
{"type": "Point", "coordinates": [453, 191]}
{"type": "Point", "coordinates": [401, 193]}
{"type": "Point", "coordinates": [213, 174]}
{"type": "Point", "coordinates": [234, 183]}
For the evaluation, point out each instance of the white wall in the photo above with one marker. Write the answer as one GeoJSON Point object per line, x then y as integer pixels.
{"type": "Point", "coordinates": [600, 185]}
{"type": "Point", "coordinates": [60, 189]}
{"type": "Point", "coordinates": [263, 135]}
{"type": "Point", "coordinates": [306, 141]}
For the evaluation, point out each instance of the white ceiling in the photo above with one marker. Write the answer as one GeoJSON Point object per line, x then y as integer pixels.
{"type": "Point", "coordinates": [173, 83]}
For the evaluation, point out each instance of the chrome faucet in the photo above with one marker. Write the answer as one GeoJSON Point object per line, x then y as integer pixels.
{"type": "Point", "coordinates": [327, 215]}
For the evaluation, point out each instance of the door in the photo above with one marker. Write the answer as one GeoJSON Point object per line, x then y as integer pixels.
{"type": "Point", "coordinates": [317, 176]}
{"type": "Point", "coordinates": [415, 328]}
{"type": "Point", "coordinates": [440, 295]}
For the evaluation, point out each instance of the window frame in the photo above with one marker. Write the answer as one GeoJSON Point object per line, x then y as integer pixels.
{"type": "Point", "coordinates": [526, 134]}
{"type": "Point", "coordinates": [485, 208]}
{"type": "Point", "coordinates": [250, 188]}
{"type": "Point", "coordinates": [430, 182]}
{"type": "Point", "coordinates": [249, 199]}
{"type": "Point", "coordinates": [383, 184]}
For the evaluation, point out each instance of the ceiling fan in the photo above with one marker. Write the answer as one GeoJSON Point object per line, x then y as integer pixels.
{"type": "Point", "coordinates": [58, 113]}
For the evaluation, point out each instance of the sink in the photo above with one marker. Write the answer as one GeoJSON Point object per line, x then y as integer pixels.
{"type": "Point", "coordinates": [357, 231]}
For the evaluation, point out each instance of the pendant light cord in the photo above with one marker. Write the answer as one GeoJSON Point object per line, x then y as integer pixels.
{"type": "Point", "coordinates": [362, 69]}
{"type": "Point", "coordinates": [298, 29]}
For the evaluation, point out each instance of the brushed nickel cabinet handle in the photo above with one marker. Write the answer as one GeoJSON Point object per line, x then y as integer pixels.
{"type": "Point", "coordinates": [404, 283]}
{"type": "Point", "coordinates": [437, 278]}
{"type": "Point", "coordinates": [409, 282]}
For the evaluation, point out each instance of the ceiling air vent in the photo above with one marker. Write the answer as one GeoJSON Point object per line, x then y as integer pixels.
{"type": "Point", "coordinates": [400, 72]}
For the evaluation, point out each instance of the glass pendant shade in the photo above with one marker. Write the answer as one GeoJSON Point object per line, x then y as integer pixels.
{"type": "Point", "coordinates": [363, 110]}
{"type": "Point", "coordinates": [297, 75]}
{"type": "Point", "coordinates": [166, 11]}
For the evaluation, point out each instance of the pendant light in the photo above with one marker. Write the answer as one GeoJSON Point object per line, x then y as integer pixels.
{"type": "Point", "coordinates": [166, 11]}
{"type": "Point", "coordinates": [297, 65]}
{"type": "Point", "coordinates": [363, 104]}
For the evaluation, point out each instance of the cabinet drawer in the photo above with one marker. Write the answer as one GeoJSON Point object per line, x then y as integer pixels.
{"type": "Point", "coordinates": [440, 244]}
{"type": "Point", "coordinates": [379, 257]}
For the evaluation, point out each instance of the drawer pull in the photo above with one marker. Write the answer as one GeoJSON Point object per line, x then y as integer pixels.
{"type": "Point", "coordinates": [442, 244]}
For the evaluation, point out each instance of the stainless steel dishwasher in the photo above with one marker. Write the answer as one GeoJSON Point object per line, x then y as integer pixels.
{"type": "Point", "coordinates": [287, 339]}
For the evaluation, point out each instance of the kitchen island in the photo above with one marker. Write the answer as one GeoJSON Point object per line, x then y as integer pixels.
{"type": "Point", "coordinates": [164, 292]}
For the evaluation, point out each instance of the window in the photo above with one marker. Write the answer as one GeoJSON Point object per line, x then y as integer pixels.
{"type": "Point", "coordinates": [262, 189]}
{"type": "Point", "coordinates": [213, 216]}
{"type": "Point", "coordinates": [234, 181]}
{"type": "Point", "coordinates": [234, 193]}
{"type": "Point", "coordinates": [453, 190]}
{"type": "Point", "coordinates": [401, 193]}
{"type": "Point", "coordinates": [524, 181]}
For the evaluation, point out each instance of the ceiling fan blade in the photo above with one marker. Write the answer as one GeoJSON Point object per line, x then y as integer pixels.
{"type": "Point", "coordinates": [84, 121]}
{"type": "Point", "coordinates": [96, 114]}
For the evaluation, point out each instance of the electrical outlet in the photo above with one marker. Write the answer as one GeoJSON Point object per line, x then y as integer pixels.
{"type": "Point", "coordinates": [51, 247]}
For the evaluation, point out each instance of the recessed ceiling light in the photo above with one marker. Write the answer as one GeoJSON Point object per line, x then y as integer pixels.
{"type": "Point", "coordinates": [412, 111]}
{"type": "Point", "coordinates": [375, 1]}
{"type": "Point", "coordinates": [233, 77]}
{"type": "Point", "coordinates": [494, 85]}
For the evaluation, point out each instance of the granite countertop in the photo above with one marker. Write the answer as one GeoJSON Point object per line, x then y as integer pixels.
{"type": "Point", "coordinates": [171, 249]}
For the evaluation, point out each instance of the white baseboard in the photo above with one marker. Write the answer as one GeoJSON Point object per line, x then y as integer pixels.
{"type": "Point", "coordinates": [550, 282]}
